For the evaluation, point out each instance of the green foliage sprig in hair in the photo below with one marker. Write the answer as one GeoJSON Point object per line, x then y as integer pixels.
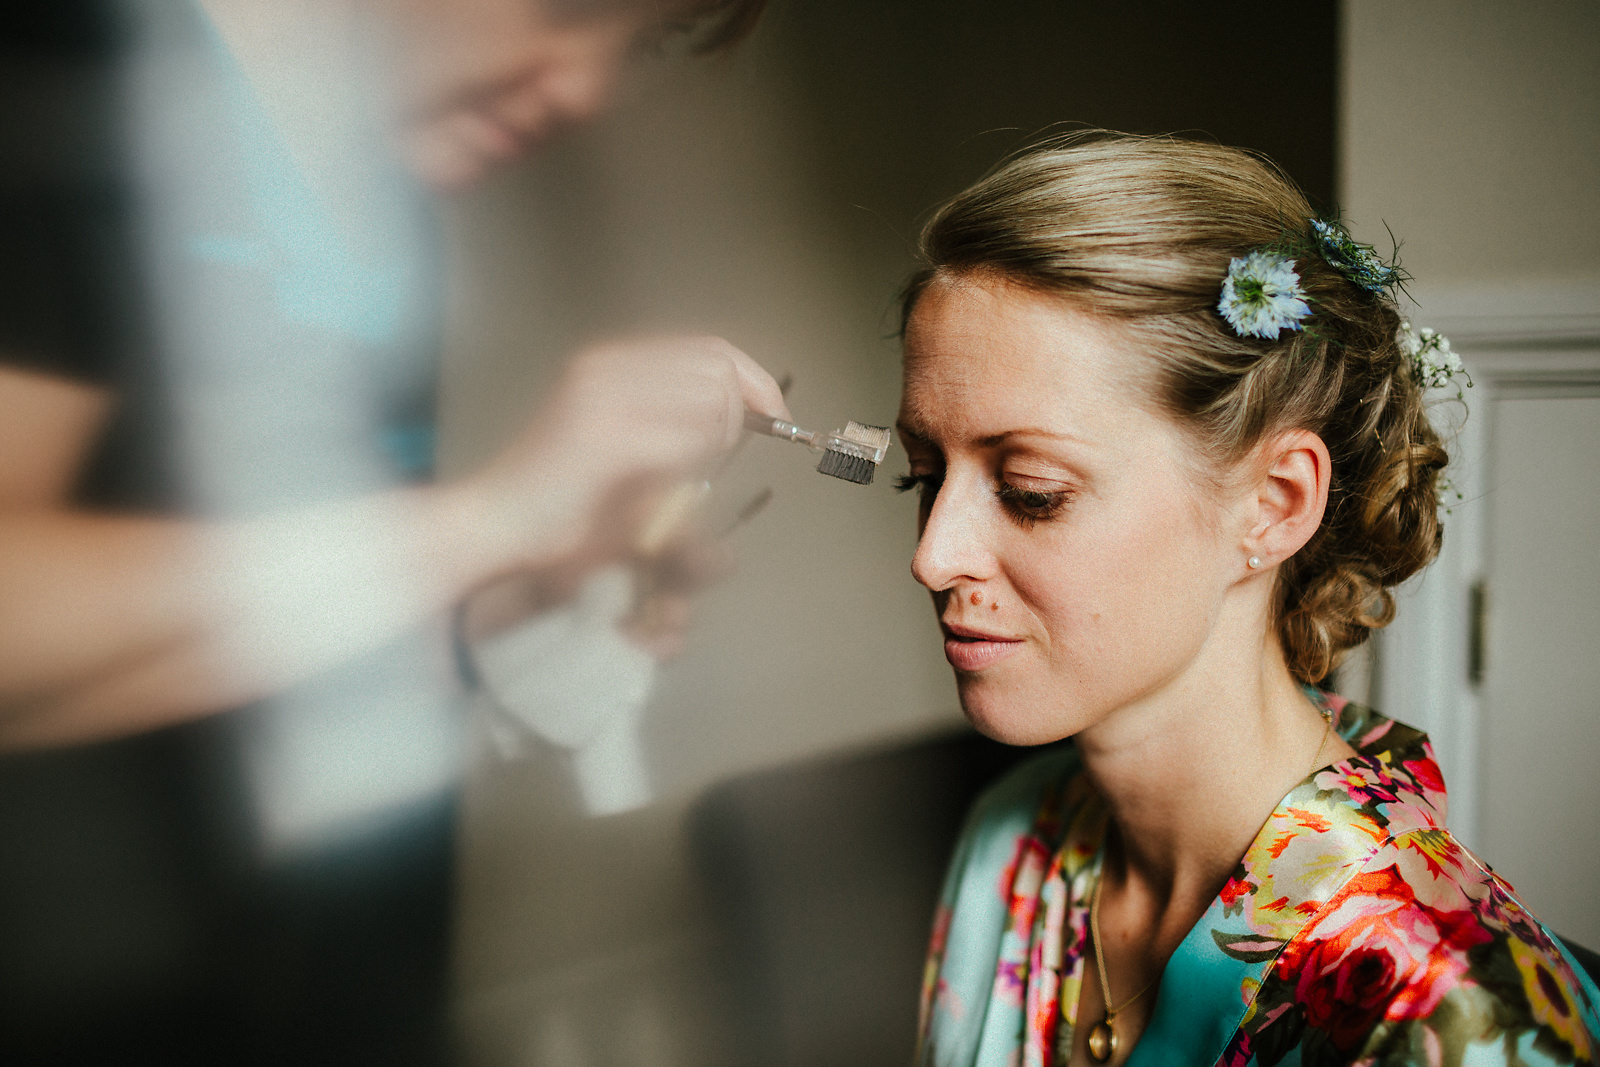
{"type": "Point", "coordinates": [1360, 263]}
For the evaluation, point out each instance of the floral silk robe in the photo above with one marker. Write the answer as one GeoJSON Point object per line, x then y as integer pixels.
{"type": "Point", "coordinates": [1355, 930]}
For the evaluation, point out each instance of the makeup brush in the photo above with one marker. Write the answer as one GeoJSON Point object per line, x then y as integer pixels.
{"type": "Point", "coordinates": [852, 453]}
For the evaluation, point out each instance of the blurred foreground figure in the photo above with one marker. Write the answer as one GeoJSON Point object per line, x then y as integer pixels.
{"type": "Point", "coordinates": [218, 342]}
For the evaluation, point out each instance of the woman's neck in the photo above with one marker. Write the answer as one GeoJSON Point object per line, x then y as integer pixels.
{"type": "Point", "coordinates": [1191, 773]}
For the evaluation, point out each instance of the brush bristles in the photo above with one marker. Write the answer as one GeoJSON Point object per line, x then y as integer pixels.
{"type": "Point", "coordinates": [850, 468]}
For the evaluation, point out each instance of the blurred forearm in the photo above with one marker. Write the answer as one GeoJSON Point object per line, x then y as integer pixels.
{"type": "Point", "coordinates": [111, 625]}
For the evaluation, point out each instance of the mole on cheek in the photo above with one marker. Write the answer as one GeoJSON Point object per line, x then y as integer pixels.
{"type": "Point", "coordinates": [995, 606]}
{"type": "Point", "coordinates": [976, 598]}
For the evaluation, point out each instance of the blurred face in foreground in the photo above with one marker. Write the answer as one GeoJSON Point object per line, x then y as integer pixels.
{"type": "Point", "coordinates": [1075, 562]}
{"type": "Point", "coordinates": [474, 83]}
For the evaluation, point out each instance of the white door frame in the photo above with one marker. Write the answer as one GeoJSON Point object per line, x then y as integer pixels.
{"type": "Point", "coordinates": [1517, 341]}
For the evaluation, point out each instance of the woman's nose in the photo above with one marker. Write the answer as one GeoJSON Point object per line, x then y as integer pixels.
{"type": "Point", "coordinates": [952, 545]}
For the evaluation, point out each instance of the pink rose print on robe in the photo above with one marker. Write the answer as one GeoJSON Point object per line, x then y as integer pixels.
{"type": "Point", "coordinates": [1375, 952]}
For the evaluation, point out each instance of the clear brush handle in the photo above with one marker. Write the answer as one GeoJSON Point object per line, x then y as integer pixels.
{"type": "Point", "coordinates": [781, 429]}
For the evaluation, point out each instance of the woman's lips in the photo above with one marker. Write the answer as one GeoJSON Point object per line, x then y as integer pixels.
{"type": "Point", "coordinates": [973, 650]}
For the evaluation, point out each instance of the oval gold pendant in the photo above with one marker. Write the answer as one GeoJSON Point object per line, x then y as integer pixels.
{"type": "Point", "coordinates": [1102, 1041]}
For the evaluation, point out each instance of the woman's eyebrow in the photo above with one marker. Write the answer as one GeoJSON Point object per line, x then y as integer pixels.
{"type": "Point", "coordinates": [906, 433]}
{"type": "Point", "coordinates": [1029, 431]}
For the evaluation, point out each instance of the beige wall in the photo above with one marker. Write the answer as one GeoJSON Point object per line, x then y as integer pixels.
{"type": "Point", "coordinates": [1472, 128]}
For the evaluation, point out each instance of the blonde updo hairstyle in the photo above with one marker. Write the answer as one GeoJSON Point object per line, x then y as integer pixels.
{"type": "Point", "coordinates": [1141, 230]}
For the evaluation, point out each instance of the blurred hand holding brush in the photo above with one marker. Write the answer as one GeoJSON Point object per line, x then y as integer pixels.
{"type": "Point", "coordinates": [578, 675]}
{"type": "Point", "coordinates": [628, 422]}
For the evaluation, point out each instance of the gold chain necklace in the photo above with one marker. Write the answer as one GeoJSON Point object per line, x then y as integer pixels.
{"type": "Point", "coordinates": [1103, 1034]}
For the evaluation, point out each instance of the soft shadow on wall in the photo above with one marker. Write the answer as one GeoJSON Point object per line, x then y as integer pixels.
{"type": "Point", "coordinates": [773, 197]}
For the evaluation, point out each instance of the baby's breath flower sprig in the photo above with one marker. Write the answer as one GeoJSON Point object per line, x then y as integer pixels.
{"type": "Point", "coordinates": [1434, 364]}
{"type": "Point", "coordinates": [1262, 296]}
{"type": "Point", "coordinates": [1447, 495]}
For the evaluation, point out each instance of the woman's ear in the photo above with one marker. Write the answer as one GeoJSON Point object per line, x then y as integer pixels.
{"type": "Point", "coordinates": [1291, 494]}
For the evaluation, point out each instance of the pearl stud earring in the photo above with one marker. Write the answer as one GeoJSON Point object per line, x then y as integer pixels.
{"type": "Point", "coordinates": [1254, 563]}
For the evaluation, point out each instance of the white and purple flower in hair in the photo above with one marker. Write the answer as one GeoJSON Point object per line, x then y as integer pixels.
{"type": "Point", "coordinates": [1261, 297]}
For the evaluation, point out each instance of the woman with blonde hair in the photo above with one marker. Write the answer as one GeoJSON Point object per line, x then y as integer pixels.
{"type": "Point", "coordinates": [1168, 431]}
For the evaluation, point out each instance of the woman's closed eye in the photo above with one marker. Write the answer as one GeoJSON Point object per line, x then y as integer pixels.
{"type": "Point", "coordinates": [1026, 506]}
{"type": "Point", "coordinates": [1029, 506]}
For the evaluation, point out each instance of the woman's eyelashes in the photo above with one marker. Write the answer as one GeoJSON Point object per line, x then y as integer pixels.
{"type": "Point", "coordinates": [1026, 506]}
{"type": "Point", "coordinates": [926, 485]}
{"type": "Point", "coordinates": [1029, 506]}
